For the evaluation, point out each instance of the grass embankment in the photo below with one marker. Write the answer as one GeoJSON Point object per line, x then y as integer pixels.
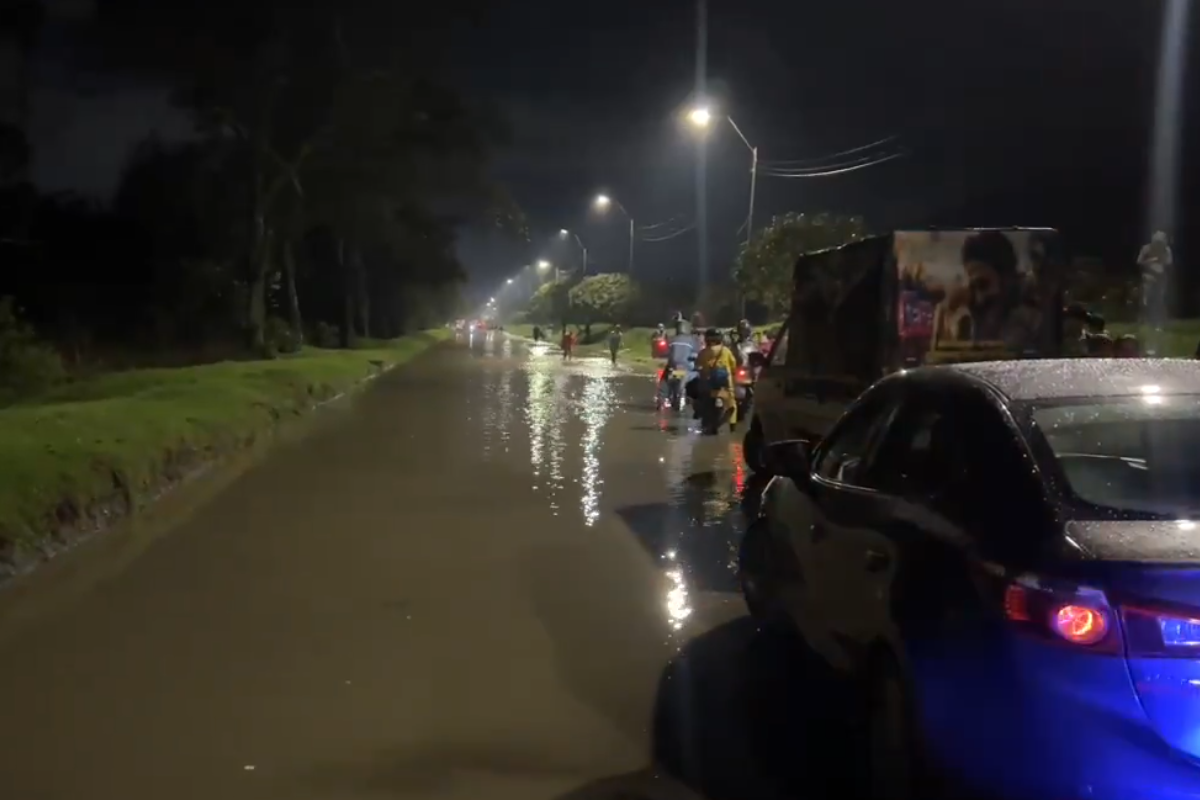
{"type": "Point", "coordinates": [1178, 339]}
{"type": "Point", "coordinates": [635, 344]}
{"type": "Point", "coordinates": [115, 440]}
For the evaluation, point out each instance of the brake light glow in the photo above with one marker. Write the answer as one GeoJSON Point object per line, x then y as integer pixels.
{"type": "Point", "coordinates": [1080, 624]}
{"type": "Point", "coordinates": [1069, 614]}
{"type": "Point", "coordinates": [741, 373]}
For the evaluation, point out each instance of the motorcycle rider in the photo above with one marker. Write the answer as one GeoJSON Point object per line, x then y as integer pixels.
{"type": "Point", "coordinates": [680, 349]}
{"type": "Point", "coordinates": [717, 366]}
{"type": "Point", "coordinates": [745, 332]}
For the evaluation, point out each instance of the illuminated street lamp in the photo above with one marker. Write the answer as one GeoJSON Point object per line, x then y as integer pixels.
{"type": "Point", "coordinates": [700, 116]}
{"type": "Point", "coordinates": [564, 233]}
{"type": "Point", "coordinates": [509, 281]}
{"type": "Point", "coordinates": [544, 265]}
{"type": "Point", "coordinates": [602, 203]}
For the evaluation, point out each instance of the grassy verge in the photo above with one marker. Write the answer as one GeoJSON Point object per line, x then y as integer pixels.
{"type": "Point", "coordinates": [115, 440]}
{"type": "Point", "coordinates": [1178, 339]}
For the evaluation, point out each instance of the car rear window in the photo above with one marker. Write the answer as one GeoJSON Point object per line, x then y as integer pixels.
{"type": "Point", "coordinates": [1134, 455]}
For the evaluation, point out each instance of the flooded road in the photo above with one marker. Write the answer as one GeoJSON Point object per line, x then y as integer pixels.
{"type": "Point", "coordinates": [497, 575]}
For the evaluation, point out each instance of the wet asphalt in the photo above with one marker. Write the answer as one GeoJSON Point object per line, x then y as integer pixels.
{"type": "Point", "coordinates": [493, 575]}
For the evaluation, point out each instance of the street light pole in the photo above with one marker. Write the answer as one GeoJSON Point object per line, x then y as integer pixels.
{"type": "Point", "coordinates": [701, 117]}
{"type": "Point", "coordinates": [753, 187]}
{"type": "Point", "coordinates": [753, 175]}
{"type": "Point", "coordinates": [564, 232]}
{"type": "Point", "coordinates": [631, 247]}
{"type": "Point", "coordinates": [603, 201]}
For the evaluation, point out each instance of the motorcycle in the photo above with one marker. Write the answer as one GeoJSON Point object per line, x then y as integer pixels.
{"type": "Point", "coordinates": [744, 380]}
{"type": "Point", "coordinates": [715, 403]}
{"type": "Point", "coordinates": [671, 386]}
{"type": "Point", "coordinates": [717, 407]}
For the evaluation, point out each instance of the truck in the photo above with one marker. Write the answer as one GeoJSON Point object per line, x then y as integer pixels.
{"type": "Point", "coordinates": [898, 301]}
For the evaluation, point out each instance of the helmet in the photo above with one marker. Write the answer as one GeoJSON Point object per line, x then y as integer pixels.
{"type": "Point", "coordinates": [714, 335]}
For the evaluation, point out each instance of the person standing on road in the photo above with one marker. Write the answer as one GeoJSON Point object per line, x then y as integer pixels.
{"type": "Point", "coordinates": [1155, 260]}
{"type": "Point", "coordinates": [537, 333]}
{"type": "Point", "coordinates": [568, 344]}
{"type": "Point", "coordinates": [615, 337]}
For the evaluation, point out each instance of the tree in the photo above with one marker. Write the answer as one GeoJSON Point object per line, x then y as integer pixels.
{"type": "Point", "coordinates": [313, 108]}
{"type": "Point", "coordinates": [606, 297]}
{"type": "Point", "coordinates": [551, 302]}
{"type": "Point", "coordinates": [176, 198]}
{"type": "Point", "coordinates": [763, 271]}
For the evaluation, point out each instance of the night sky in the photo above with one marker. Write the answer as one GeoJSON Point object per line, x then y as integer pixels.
{"type": "Point", "coordinates": [1011, 112]}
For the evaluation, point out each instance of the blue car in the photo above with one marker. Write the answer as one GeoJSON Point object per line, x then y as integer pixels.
{"type": "Point", "coordinates": [1002, 560]}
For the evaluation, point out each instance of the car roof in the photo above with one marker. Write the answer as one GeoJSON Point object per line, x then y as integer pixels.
{"type": "Point", "coordinates": [1026, 380]}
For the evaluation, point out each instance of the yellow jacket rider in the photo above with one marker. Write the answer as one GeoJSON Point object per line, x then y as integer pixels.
{"type": "Point", "coordinates": [716, 362]}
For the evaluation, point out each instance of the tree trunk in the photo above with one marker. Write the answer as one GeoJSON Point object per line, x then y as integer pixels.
{"type": "Point", "coordinates": [293, 297]}
{"type": "Point", "coordinates": [362, 297]}
{"type": "Point", "coordinates": [256, 265]}
{"type": "Point", "coordinates": [347, 331]}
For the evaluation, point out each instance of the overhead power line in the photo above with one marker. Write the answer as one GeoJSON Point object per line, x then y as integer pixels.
{"type": "Point", "coordinates": [832, 170]}
{"type": "Point", "coordinates": [829, 156]}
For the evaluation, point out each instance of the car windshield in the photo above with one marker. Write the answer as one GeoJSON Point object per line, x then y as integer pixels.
{"type": "Point", "coordinates": [1134, 456]}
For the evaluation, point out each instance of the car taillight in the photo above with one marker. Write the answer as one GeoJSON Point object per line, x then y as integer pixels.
{"type": "Point", "coordinates": [1161, 632]}
{"type": "Point", "coordinates": [1069, 614]}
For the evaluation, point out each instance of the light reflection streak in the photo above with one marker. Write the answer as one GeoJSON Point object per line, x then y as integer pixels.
{"type": "Point", "coordinates": [595, 408]}
{"type": "Point", "coordinates": [679, 606]}
{"type": "Point", "coordinates": [537, 416]}
{"type": "Point", "coordinates": [720, 503]}
{"type": "Point", "coordinates": [504, 404]}
{"type": "Point", "coordinates": [680, 450]}
{"type": "Point", "coordinates": [556, 403]}
{"type": "Point", "coordinates": [489, 415]}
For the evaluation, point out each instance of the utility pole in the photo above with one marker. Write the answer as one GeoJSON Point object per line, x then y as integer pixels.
{"type": "Point", "coordinates": [750, 213]}
{"type": "Point", "coordinates": [631, 246]}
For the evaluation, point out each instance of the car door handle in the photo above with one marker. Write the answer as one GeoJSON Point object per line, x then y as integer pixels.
{"type": "Point", "coordinates": [877, 560]}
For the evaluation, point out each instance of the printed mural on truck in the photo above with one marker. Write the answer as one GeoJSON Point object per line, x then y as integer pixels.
{"type": "Point", "coordinates": [976, 295]}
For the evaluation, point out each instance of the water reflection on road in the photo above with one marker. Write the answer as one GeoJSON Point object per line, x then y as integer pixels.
{"type": "Point", "coordinates": [599, 453]}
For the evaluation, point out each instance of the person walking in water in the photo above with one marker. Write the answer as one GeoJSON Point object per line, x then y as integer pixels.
{"type": "Point", "coordinates": [614, 342]}
{"type": "Point", "coordinates": [568, 344]}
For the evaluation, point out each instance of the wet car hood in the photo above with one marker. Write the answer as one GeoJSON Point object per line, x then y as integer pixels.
{"type": "Point", "coordinates": [1157, 541]}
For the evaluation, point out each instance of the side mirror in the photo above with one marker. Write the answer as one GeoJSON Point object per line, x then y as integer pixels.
{"type": "Point", "coordinates": [790, 459]}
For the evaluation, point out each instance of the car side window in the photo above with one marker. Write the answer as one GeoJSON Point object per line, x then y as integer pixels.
{"type": "Point", "coordinates": [954, 453]}
{"type": "Point", "coordinates": [845, 455]}
{"type": "Point", "coordinates": [921, 451]}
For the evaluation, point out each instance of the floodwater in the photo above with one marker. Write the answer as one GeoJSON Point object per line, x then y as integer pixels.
{"type": "Point", "coordinates": [496, 575]}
